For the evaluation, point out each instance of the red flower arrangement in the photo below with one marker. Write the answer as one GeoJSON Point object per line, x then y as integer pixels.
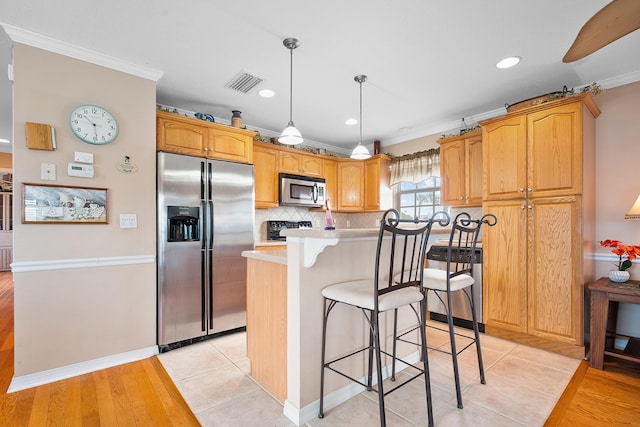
{"type": "Point", "coordinates": [630, 252]}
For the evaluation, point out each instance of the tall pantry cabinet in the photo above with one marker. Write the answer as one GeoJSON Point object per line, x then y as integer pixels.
{"type": "Point", "coordinates": [539, 181]}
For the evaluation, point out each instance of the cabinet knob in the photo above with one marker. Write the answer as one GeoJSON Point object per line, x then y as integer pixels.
{"type": "Point", "coordinates": [521, 207]}
{"type": "Point", "coordinates": [530, 207]}
{"type": "Point", "coordinates": [461, 198]}
{"type": "Point", "coordinates": [206, 149]}
{"type": "Point", "coordinates": [466, 197]}
{"type": "Point", "coordinates": [521, 190]}
{"type": "Point", "coordinates": [529, 189]}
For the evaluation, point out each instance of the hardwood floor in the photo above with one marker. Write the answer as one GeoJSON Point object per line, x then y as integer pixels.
{"type": "Point", "coordinates": [142, 394]}
{"type": "Point", "coordinates": [135, 394]}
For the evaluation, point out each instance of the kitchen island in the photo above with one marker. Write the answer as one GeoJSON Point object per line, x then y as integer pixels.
{"type": "Point", "coordinates": [284, 340]}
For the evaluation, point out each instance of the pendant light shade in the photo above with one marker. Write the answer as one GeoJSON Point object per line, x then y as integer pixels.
{"type": "Point", "coordinates": [290, 135]}
{"type": "Point", "coordinates": [360, 152]}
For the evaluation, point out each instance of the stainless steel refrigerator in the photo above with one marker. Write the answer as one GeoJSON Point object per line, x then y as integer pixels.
{"type": "Point", "coordinates": [205, 220]}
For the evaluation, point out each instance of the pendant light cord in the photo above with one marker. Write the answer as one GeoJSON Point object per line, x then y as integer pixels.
{"type": "Point", "coordinates": [291, 86]}
{"type": "Point", "coordinates": [360, 112]}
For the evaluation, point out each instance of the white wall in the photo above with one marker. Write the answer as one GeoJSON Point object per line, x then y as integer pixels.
{"type": "Point", "coordinates": [105, 302]}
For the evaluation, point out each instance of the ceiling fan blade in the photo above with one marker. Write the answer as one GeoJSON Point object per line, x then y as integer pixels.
{"type": "Point", "coordinates": [617, 19]}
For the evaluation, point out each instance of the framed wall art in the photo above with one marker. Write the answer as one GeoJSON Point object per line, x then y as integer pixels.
{"type": "Point", "coordinates": [55, 204]}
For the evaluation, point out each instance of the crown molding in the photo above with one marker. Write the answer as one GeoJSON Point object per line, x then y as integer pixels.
{"type": "Point", "coordinates": [20, 35]}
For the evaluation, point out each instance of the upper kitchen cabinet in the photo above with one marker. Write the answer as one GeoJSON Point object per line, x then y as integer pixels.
{"type": "Point", "coordinates": [330, 174]}
{"type": "Point", "coordinates": [537, 152]}
{"type": "Point", "coordinates": [364, 185]}
{"type": "Point", "coordinates": [300, 164]}
{"type": "Point", "coordinates": [265, 170]}
{"type": "Point", "coordinates": [350, 186]}
{"type": "Point", "coordinates": [378, 194]}
{"type": "Point", "coordinates": [461, 169]}
{"type": "Point", "coordinates": [183, 135]}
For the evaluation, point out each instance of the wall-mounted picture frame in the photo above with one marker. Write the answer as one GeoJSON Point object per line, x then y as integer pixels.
{"type": "Point", "coordinates": [63, 204]}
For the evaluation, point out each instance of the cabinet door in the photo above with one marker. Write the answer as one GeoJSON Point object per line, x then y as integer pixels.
{"type": "Point", "coordinates": [182, 138]}
{"type": "Point", "coordinates": [555, 269]}
{"type": "Point", "coordinates": [377, 192]}
{"type": "Point", "coordinates": [554, 141]}
{"type": "Point", "coordinates": [266, 176]}
{"type": "Point", "coordinates": [330, 172]}
{"type": "Point", "coordinates": [230, 145]}
{"type": "Point", "coordinates": [473, 150]}
{"type": "Point", "coordinates": [289, 162]}
{"type": "Point", "coordinates": [504, 248]}
{"type": "Point", "coordinates": [452, 171]}
{"type": "Point", "coordinates": [351, 186]}
{"type": "Point", "coordinates": [301, 164]}
{"type": "Point", "coordinates": [505, 163]}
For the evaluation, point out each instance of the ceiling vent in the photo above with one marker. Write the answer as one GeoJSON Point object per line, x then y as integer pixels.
{"type": "Point", "coordinates": [244, 82]}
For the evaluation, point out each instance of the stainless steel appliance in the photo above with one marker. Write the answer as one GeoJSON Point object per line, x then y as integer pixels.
{"type": "Point", "coordinates": [437, 258]}
{"type": "Point", "coordinates": [205, 220]}
{"type": "Point", "coordinates": [298, 190]}
{"type": "Point", "coordinates": [274, 228]}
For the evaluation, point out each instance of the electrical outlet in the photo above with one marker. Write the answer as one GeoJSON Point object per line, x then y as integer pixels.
{"type": "Point", "coordinates": [128, 221]}
{"type": "Point", "coordinates": [48, 171]}
{"type": "Point", "coordinates": [348, 224]}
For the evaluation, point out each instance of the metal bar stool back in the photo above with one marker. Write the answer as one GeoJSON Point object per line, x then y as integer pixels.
{"type": "Point", "coordinates": [400, 252]}
{"type": "Point", "coordinates": [459, 276]}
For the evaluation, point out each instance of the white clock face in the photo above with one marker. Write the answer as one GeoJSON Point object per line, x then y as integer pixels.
{"type": "Point", "coordinates": [93, 124]}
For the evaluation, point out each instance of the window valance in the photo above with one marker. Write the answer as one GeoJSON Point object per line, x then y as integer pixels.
{"type": "Point", "coordinates": [415, 167]}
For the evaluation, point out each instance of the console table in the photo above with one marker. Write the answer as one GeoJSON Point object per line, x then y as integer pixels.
{"type": "Point", "coordinates": [603, 291]}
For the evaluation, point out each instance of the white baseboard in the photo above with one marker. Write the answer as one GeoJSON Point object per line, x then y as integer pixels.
{"type": "Point", "coordinates": [310, 412]}
{"type": "Point", "coordinates": [64, 372]}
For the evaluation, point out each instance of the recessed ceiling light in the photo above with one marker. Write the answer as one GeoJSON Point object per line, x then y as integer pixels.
{"type": "Point", "coordinates": [351, 122]}
{"type": "Point", "coordinates": [266, 93]}
{"type": "Point", "coordinates": [509, 62]}
{"type": "Point", "coordinates": [5, 141]}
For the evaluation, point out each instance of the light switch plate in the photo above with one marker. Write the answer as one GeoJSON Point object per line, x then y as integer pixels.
{"type": "Point", "coordinates": [128, 221]}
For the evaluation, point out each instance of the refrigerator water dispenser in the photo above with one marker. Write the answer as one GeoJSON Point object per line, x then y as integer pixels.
{"type": "Point", "coordinates": [183, 224]}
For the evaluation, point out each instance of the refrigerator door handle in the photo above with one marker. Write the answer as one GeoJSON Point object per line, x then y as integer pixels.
{"type": "Point", "coordinates": [210, 264]}
{"type": "Point", "coordinates": [203, 282]}
{"type": "Point", "coordinates": [203, 226]}
{"type": "Point", "coordinates": [202, 180]}
{"type": "Point", "coordinates": [211, 224]}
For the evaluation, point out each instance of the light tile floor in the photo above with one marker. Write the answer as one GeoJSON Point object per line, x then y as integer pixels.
{"type": "Point", "coordinates": [522, 386]}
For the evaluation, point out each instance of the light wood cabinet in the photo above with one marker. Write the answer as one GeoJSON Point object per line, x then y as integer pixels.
{"type": "Point", "coordinates": [538, 181]}
{"type": "Point", "coordinates": [330, 172]}
{"type": "Point", "coordinates": [378, 194]}
{"type": "Point", "coordinates": [265, 171]}
{"type": "Point", "coordinates": [267, 325]}
{"type": "Point", "coordinates": [184, 135]}
{"type": "Point", "coordinates": [350, 185]}
{"type": "Point", "coordinates": [300, 164]}
{"type": "Point", "coordinates": [461, 169]}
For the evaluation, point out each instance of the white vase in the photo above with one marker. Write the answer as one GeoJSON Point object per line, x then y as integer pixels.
{"type": "Point", "coordinates": [618, 276]}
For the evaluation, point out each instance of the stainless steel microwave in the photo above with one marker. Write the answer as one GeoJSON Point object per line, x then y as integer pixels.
{"type": "Point", "coordinates": [298, 190]}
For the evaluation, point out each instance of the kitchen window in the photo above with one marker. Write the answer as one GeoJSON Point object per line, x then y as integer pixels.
{"type": "Point", "coordinates": [421, 199]}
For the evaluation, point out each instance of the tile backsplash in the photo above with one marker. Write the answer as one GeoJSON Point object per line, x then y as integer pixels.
{"type": "Point", "coordinates": [342, 220]}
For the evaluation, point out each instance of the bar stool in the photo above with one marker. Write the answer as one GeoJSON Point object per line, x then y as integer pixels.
{"type": "Point", "coordinates": [401, 251]}
{"type": "Point", "coordinates": [458, 276]}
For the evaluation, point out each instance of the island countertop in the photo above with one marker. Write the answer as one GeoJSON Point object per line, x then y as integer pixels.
{"type": "Point", "coordinates": [275, 256]}
{"type": "Point", "coordinates": [341, 233]}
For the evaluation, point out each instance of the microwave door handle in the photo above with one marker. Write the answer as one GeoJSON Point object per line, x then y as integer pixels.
{"type": "Point", "coordinates": [315, 193]}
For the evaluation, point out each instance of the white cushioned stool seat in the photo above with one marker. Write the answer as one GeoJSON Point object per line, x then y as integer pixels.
{"type": "Point", "coordinates": [360, 293]}
{"type": "Point", "coordinates": [436, 279]}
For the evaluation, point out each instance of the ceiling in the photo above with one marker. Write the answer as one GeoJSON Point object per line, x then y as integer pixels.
{"type": "Point", "coordinates": [429, 63]}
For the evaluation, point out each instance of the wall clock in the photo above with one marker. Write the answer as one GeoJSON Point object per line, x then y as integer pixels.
{"type": "Point", "coordinates": [93, 124]}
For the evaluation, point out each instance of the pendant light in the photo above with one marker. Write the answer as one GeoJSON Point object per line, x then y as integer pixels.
{"type": "Point", "coordinates": [360, 152]}
{"type": "Point", "coordinates": [290, 135]}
